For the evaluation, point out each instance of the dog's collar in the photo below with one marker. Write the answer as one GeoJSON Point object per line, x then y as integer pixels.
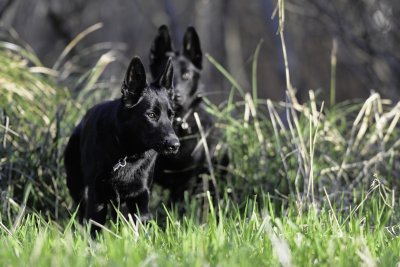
{"type": "Point", "coordinates": [182, 123]}
{"type": "Point", "coordinates": [182, 120]}
{"type": "Point", "coordinates": [122, 162]}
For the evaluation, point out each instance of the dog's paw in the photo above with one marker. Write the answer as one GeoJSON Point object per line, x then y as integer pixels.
{"type": "Point", "coordinates": [142, 218]}
{"type": "Point", "coordinates": [145, 217]}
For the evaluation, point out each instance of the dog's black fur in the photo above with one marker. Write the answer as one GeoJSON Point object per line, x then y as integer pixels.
{"type": "Point", "coordinates": [110, 155]}
{"type": "Point", "coordinates": [180, 172]}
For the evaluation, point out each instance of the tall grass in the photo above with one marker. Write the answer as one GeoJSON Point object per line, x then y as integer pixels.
{"type": "Point", "coordinates": [300, 151]}
{"type": "Point", "coordinates": [230, 238]}
{"type": "Point", "coordinates": [305, 153]}
{"type": "Point", "coordinates": [307, 184]}
{"type": "Point", "coordinates": [340, 149]}
{"type": "Point", "coordinates": [37, 113]}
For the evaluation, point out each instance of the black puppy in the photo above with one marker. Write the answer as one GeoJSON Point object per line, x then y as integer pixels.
{"type": "Point", "coordinates": [110, 155]}
{"type": "Point", "coordinates": [180, 172]}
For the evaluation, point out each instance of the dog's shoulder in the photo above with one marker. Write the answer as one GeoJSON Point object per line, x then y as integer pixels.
{"type": "Point", "coordinates": [100, 117]}
{"type": "Point", "coordinates": [96, 131]}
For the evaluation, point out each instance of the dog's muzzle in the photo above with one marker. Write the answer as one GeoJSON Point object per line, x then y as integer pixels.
{"type": "Point", "coordinates": [171, 145]}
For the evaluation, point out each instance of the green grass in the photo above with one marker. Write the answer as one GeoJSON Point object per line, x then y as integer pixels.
{"type": "Point", "coordinates": [228, 238]}
{"type": "Point", "coordinates": [307, 184]}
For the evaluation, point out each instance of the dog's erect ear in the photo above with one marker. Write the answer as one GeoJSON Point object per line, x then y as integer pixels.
{"type": "Point", "coordinates": [134, 82]}
{"type": "Point", "coordinates": [162, 45]}
{"type": "Point", "coordinates": [191, 47]}
{"type": "Point", "coordinates": [166, 78]}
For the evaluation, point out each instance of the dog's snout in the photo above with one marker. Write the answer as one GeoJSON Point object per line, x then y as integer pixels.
{"type": "Point", "coordinates": [172, 144]}
{"type": "Point", "coordinates": [174, 147]}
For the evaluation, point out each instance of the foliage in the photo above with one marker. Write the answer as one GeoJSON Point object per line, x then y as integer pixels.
{"type": "Point", "coordinates": [229, 238]}
{"type": "Point", "coordinates": [306, 184]}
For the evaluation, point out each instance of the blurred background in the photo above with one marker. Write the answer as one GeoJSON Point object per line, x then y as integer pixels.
{"type": "Point", "coordinates": [366, 32]}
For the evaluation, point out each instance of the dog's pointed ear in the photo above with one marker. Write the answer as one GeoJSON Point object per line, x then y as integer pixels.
{"type": "Point", "coordinates": [161, 46]}
{"type": "Point", "coordinates": [166, 78]}
{"type": "Point", "coordinates": [191, 47]}
{"type": "Point", "coordinates": [134, 82]}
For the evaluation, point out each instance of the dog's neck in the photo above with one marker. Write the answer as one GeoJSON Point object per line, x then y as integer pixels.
{"type": "Point", "coordinates": [182, 115]}
{"type": "Point", "coordinates": [129, 146]}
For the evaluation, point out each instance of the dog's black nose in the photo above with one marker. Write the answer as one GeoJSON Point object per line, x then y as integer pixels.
{"type": "Point", "coordinates": [172, 145]}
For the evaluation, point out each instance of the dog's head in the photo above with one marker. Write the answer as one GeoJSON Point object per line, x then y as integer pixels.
{"type": "Point", "coordinates": [147, 109]}
{"type": "Point", "coordinates": [187, 64]}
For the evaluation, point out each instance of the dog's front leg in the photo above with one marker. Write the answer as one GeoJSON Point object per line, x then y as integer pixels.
{"type": "Point", "coordinates": [139, 205]}
{"type": "Point", "coordinates": [95, 210]}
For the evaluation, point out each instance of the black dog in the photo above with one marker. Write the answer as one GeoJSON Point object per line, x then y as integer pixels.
{"type": "Point", "coordinates": [111, 153]}
{"type": "Point", "coordinates": [180, 172]}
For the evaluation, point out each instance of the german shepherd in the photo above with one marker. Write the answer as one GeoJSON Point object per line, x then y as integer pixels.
{"type": "Point", "coordinates": [111, 154]}
{"type": "Point", "coordinates": [181, 171]}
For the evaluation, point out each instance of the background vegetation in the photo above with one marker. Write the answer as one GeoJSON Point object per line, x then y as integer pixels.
{"type": "Point", "coordinates": [365, 31]}
{"type": "Point", "coordinates": [310, 183]}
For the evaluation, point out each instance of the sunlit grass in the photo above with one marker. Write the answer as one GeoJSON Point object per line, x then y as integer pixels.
{"type": "Point", "coordinates": [37, 113]}
{"type": "Point", "coordinates": [307, 184]}
{"type": "Point", "coordinates": [255, 237]}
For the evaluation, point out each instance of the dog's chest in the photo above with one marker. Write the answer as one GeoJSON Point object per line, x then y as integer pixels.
{"type": "Point", "coordinates": [132, 176]}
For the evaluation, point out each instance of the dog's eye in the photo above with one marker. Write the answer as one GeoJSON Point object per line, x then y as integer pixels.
{"type": "Point", "coordinates": [186, 75]}
{"type": "Point", "coordinates": [151, 115]}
